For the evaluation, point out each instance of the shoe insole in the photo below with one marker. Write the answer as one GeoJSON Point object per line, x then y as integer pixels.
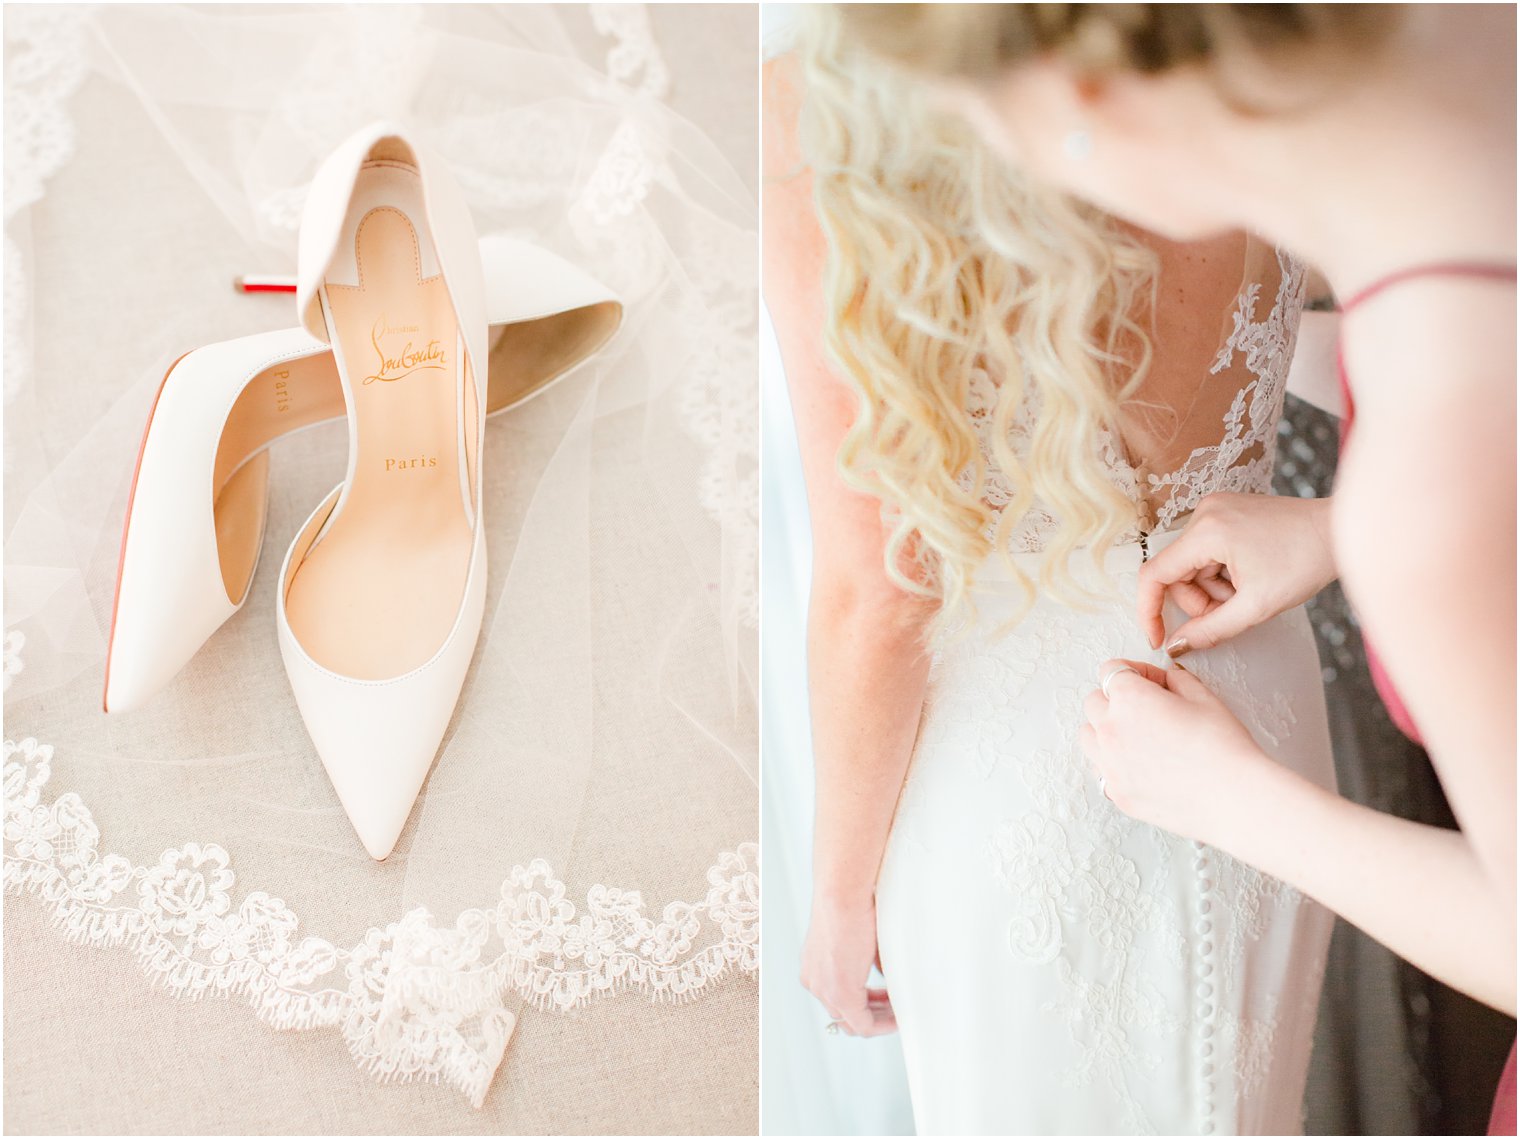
{"type": "Point", "coordinates": [525, 356]}
{"type": "Point", "coordinates": [378, 594]}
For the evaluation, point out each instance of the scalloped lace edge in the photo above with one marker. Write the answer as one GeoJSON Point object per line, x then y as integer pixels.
{"type": "Point", "coordinates": [414, 999]}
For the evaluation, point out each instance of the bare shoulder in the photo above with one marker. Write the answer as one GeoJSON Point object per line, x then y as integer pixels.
{"type": "Point", "coordinates": [794, 247]}
{"type": "Point", "coordinates": [1432, 372]}
{"type": "Point", "coordinates": [781, 96]}
{"type": "Point", "coordinates": [1442, 346]}
{"type": "Point", "coordinates": [1431, 366]}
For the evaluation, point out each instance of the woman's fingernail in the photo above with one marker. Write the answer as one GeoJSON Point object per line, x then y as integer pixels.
{"type": "Point", "coordinates": [1177, 646]}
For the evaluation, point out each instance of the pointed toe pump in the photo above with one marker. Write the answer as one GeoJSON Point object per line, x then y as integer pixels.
{"type": "Point", "coordinates": [194, 525]}
{"type": "Point", "coordinates": [381, 596]}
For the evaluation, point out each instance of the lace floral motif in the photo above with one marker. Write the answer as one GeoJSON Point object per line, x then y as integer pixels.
{"type": "Point", "coordinates": [45, 63]}
{"type": "Point", "coordinates": [1250, 425]}
{"type": "Point", "coordinates": [717, 398]}
{"type": "Point", "coordinates": [1032, 858]}
{"type": "Point", "coordinates": [1251, 422]}
{"type": "Point", "coordinates": [414, 999]}
{"type": "Point", "coordinates": [527, 165]}
{"type": "Point", "coordinates": [1037, 523]}
{"type": "Point", "coordinates": [1269, 714]}
{"type": "Point", "coordinates": [1251, 1044]}
{"type": "Point", "coordinates": [1088, 890]}
{"type": "Point", "coordinates": [621, 179]}
{"type": "Point", "coordinates": [1118, 1008]}
{"type": "Point", "coordinates": [538, 161]}
{"type": "Point", "coordinates": [382, 68]}
{"type": "Point", "coordinates": [634, 60]}
{"type": "Point", "coordinates": [15, 641]}
{"type": "Point", "coordinates": [719, 402]}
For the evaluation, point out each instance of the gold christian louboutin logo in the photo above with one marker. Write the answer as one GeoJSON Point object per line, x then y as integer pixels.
{"type": "Point", "coordinates": [396, 362]}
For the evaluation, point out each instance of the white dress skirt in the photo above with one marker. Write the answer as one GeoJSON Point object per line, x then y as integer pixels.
{"type": "Point", "coordinates": [1057, 967]}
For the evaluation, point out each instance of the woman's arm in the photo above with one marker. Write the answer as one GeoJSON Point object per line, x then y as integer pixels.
{"type": "Point", "coordinates": [1424, 535]}
{"type": "Point", "coordinates": [1424, 532]}
{"type": "Point", "coordinates": [867, 668]}
{"type": "Point", "coordinates": [1417, 888]}
{"type": "Point", "coordinates": [1421, 890]}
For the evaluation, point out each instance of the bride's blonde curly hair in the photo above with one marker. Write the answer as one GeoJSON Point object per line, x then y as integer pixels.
{"type": "Point", "coordinates": [941, 261]}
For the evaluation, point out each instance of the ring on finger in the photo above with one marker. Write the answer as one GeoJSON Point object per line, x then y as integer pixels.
{"type": "Point", "coordinates": [1109, 679]}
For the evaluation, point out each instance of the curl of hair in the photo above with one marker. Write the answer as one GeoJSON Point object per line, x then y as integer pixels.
{"type": "Point", "coordinates": [942, 260]}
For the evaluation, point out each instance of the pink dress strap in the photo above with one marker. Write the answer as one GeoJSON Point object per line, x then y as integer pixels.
{"type": "Point", "coordinates": [1494, 271]}
{"type": "Point", "coordinates": [1502, 1120]}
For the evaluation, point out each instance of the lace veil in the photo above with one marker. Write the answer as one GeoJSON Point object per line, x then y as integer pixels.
{"type": "Point", "coordinates": [588, 826]}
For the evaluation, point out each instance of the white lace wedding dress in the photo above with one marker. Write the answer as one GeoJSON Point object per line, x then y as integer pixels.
{"type": "Point", "coordinates": [1059, 968]}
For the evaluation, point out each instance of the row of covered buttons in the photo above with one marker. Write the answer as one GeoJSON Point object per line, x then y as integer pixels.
{"type": "Point", "coordinates": [1206, 990]}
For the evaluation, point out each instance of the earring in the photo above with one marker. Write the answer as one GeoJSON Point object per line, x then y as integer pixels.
{"type": "Point", "coordinates": [1077, 145]}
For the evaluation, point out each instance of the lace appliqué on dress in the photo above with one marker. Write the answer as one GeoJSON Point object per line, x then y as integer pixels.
{"type": "Point", "coordinates": [1249, 425]}
{"type": "Point", "coordinates": [1144, 943]}
{"type": "Point", "coordinates": [1084, 883]}
{"type": "Point", "coordinates": [1251, 422]}
{"type": "Point", "coordinates": [414, 999]}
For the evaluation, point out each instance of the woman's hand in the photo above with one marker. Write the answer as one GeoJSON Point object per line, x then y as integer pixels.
{"type": "Point", "coordinates": [1168, 751]}
{"type": "Point", "coordinates": [1242, 560]}
{"type": "Point", "coordinates": [836, 964]}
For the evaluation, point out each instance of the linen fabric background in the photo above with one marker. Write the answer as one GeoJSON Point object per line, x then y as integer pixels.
{"type": "Point", "coordinates": [608, 725]}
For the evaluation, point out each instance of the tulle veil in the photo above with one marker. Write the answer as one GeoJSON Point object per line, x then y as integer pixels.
{"type": "Point", "coordinates": [598, 783]}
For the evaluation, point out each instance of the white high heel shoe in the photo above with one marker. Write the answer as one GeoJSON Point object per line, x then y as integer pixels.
{"type": "Point", "coordinates": [383, 590]}
{"type": "Point", "coordinates": [195, 518]}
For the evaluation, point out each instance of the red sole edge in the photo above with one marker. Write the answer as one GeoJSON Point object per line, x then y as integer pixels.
{"type": "Point", "coordinates": [126, 525]}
